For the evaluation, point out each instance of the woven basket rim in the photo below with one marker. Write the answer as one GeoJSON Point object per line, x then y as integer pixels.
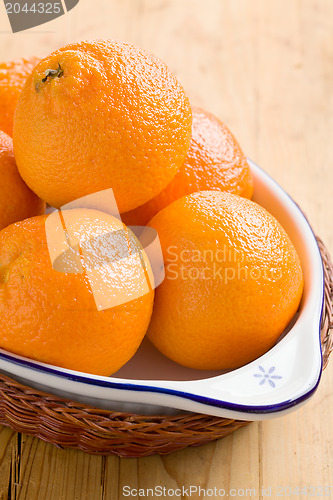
{"type": "Point", "coordinates": [67, 423]}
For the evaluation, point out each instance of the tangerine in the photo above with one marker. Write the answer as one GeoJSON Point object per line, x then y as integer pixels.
{"type": "Point", "coordinates": [101, 114]}
{"type": "Point", "coordinates": [214, 161]}
{"type": "Point", "coordinates": [13, 75]}
{"type": "Point", "coordinates": [17, 201]}
{"type": "Point", "coordinates": [233, 281]}
{"type": "Point", "coordinates": [53, 316]}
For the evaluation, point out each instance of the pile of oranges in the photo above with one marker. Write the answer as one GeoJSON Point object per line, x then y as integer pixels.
{"type": "Point", "coordinates": [97, 116]}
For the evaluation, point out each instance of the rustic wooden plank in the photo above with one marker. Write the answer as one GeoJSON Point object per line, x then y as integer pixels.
{"type": "Point", "coordinates": [297, 458]}
{"type": "Point", "coordinates": [295, 108]}
{"type": "Point", "coordinates": [47, 472]}
{"type": "Point", "coordinates": [231, 463]}
{"type": "Point", "coordinates": [8, 460]}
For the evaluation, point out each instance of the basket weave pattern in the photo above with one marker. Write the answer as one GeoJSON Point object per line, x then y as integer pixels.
{"type": "Point", "coordinates": [66, 423]}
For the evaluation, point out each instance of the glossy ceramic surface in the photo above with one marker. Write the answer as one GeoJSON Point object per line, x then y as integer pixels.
{"type": "Point", "coordinates": [276, 383]}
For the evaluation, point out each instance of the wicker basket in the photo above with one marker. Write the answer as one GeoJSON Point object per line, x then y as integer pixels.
{"type": "Point", "coordinates": [66, 423]}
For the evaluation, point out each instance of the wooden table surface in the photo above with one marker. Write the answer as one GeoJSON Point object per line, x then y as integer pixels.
{"type": "Point", "coordinates": [265, 67]}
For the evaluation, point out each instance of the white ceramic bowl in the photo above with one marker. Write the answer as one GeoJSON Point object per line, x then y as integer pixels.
{"type": "Point", "coordinates": [274, 384]}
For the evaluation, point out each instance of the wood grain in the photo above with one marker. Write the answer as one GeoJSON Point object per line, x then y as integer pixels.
{"type": "Point", "coordinates": [266, 69]}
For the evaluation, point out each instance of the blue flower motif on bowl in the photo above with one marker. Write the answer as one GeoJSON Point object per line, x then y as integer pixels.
{"type": "Point", "coordinates": [268, 376]}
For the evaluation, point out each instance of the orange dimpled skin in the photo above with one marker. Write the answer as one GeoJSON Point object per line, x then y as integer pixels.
{"type": "Point", "coordinates": [233, 281]}
{"type": "Point", "coordinates": [13, 75]}
{"type": "Point", "coordinates": [51, 316]}
{"type": "Point", "coordinates": [214, 161]}
{"type": "Point", "coordinates": [101, 114]}
{"type": "Point", "coordinates": [17, 201]}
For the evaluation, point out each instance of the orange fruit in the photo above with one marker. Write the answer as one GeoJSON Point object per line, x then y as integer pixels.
{"type": "Point", "coordinates": [13, 75]}
{"type": "Point", "coordinates": [214, 161]}
{"type": "Point", "coordinates": [101, 114]}
{"type": "Point", "coordinates": [53, 316]}
{"type": "Point", "coordinates": [233, 281]}
{"type": "Point", "coordinates": [17, 201]}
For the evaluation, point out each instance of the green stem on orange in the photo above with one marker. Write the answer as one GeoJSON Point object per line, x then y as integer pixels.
{"type": "Point", "coordinates": [53, 73]}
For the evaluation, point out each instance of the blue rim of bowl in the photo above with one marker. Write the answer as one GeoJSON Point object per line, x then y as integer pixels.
{"type": "Point", "coordinates": [260, 409]}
